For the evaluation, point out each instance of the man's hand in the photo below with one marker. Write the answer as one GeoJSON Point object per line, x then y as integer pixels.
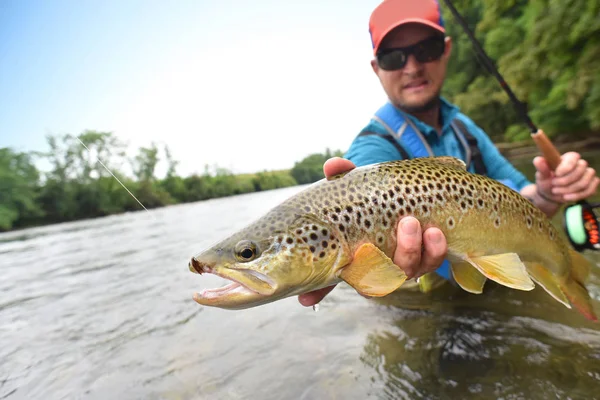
{"type": "Point", "coordinates": [572, 180]}
{"type": "Point", "coordinates": [417, 252]}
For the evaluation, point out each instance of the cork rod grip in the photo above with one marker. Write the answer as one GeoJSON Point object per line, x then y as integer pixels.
{"type": "Point", "coordinates": [548, 150]}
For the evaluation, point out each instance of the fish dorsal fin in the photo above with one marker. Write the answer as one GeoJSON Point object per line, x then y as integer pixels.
{"type": "Point", "coordinates": [372, 273]}
{"type": "Point", "coordinates": [450, 161]}
{"type": "Point", "coordinates": [468, 277]}
{"type": "Point", "coordinates": [506, 269]}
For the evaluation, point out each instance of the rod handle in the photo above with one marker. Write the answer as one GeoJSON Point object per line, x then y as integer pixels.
{"type": "Point", "coordinates": [548, 150]}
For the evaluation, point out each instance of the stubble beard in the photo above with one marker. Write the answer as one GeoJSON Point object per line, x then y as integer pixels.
{"type": "Point", "coordinates": [428, 105]}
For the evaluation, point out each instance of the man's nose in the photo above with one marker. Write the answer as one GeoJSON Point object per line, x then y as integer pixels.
{"type": "Point", "coordinates": [412, 65]}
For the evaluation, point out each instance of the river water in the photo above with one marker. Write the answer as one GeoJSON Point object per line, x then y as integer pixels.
{"type": "Point", "coordinates": [103, 309]}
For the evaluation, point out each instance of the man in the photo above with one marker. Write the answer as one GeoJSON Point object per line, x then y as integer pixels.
{"type": "Point", "coordinates": [411, 54]}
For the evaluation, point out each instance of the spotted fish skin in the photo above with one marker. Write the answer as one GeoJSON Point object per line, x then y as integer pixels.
{"type": "Point", "coordinates": [477, 215]}
{"type": "Point", "coordinates": [304, 242]}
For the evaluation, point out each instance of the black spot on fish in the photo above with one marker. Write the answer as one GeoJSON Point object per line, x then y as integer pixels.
{"type": "Point", "coordinates": [324, 244]}
{"type": "Point", "coordinates": [313, 236]}
{"type": "Point", "coordinates": [289, 240]}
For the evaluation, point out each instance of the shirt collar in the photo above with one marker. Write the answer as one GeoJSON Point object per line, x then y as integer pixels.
{"type": "Point", "coordinates": [448, 113]}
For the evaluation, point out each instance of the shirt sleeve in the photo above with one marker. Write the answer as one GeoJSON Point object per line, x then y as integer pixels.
{"type": "Point", "coordinates": [371, 149]}
{"type": "Point", "coordinates": [498, 167]}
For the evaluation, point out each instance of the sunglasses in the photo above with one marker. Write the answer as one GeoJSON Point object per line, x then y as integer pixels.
{"type": "Point", "coordinates": [425, 51]}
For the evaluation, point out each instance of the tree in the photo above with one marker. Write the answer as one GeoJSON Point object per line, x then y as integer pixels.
{"type": "Point", "coordinates": [19, 189]}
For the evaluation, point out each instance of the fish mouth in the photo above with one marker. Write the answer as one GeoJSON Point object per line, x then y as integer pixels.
{"type": "Point", "coordinates": [245, 286]}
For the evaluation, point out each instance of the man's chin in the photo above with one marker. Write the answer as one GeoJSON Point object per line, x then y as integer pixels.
{"type": "Point", "coordinates": [420, 106]}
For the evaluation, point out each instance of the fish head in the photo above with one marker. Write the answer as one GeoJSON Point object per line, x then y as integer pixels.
{"type": "Point", "coordinates": [268, 261]}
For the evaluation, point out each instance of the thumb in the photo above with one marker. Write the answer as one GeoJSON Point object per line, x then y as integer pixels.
{"type": "Point", "coordinates": [337, 165]}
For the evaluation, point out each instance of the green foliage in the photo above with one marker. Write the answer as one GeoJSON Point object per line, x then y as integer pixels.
{"type": "Point", "coordinates": [79, 185]}
{"type": "Point", "coordinates": [310, 169]}
{"type": "Point", "coordinates": [546, 50]}
{"type": "Point", "coordinates": [19, 189]}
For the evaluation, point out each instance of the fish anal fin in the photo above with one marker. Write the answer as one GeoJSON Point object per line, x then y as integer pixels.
{"type": "Point", "coordinates": [468, 277]}
{"type": "Point", "coordinates": [507, 269]}
{"type": "Point", "coordinates": [372, 273]}
{"type": "Point", "coordinates": [544, 278]}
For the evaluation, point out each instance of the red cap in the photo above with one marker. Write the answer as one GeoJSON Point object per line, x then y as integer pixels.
{"type": "Point", "coordinates": [393, 13]}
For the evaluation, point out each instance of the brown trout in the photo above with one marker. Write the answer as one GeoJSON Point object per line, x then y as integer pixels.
{"type": "Point", "coordinates": [344, 229]}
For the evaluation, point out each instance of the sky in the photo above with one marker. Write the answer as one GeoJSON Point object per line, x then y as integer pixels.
{"type": "Point", "coordinates": [245, 85]}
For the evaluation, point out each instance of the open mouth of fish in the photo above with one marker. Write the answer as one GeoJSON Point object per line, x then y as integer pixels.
{"type": "Point", "coordinates": [242, 284]}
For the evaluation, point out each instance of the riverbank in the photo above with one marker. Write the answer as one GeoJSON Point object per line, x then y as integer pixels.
{"type": "Point", "coordinates": [528, 149]}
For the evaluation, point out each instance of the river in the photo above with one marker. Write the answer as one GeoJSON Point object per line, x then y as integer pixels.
{"type": "Point", "coordinates": [103, 309]}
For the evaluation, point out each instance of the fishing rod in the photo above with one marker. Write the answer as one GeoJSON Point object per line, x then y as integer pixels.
{"type": "Point", "coordinates": [581, 221]}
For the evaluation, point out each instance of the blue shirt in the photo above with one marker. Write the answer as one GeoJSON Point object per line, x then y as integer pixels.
{"type": "Point", "coordinates": [373, 149]}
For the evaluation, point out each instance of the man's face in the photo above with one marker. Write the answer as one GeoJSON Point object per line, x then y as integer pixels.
{"type": "Point", "coordinates": [416, 86]}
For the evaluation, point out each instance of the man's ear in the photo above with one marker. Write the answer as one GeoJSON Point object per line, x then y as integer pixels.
{"type": "Point", "coordinates": [448, 49]}
{"type": "Point", "coordinates": [375, 66]}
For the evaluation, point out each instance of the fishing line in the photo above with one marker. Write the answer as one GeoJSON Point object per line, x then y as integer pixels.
{"type": "Point", "coordinates": [581, 220]}
{"type": "Point", "coordinates": [113, 175]}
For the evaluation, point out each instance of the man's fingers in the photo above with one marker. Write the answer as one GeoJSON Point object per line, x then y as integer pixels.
{"type": "Point", "coordinates": [582, 183]}
{"type": "Point", "coordinates": [435, 249]}
{"type": "Point", "coordinates": [314, 297]}
{"type": "Point", "coordinates": [408, 252]}
{"type": "Point", "coordinates": [568, 162]}
{"type": "Point", "coordinates": [337, 165]}
{"type": "Point", "coordinates": [589, 191]}
{"type": "Point", "coordinates": [575, 175]}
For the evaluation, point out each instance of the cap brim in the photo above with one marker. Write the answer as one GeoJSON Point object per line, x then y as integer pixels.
{"type": "Point", "coordinates": [408, 21]}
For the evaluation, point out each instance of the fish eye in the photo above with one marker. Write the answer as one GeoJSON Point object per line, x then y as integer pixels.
{"type": "Point", "coordinates": [245, 250]}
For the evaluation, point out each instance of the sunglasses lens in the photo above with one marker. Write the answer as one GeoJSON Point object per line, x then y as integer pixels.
{"type": "Point", "coordinates": [430, 50]}
{"type": "Point", "coordinates": [425, 51]}
{"type": "Point", "coordinates": [392, 60]}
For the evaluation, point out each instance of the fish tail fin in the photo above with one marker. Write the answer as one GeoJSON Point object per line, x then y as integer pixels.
{"type": "Point", "coordinates": [580, 266]}
{"type": "Point", "coordinates": [580, 298]}
{"type": "Point", "coordinates": [574, 287]}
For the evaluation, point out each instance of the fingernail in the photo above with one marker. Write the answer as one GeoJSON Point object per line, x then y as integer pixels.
{"type": "Point", "coordinates": [409, 226]}
{"type": "Point", "coordinates": [435, 237]}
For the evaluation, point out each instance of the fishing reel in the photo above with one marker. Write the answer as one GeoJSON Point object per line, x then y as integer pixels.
{"type": "Point", "coordinates": [581, 222]}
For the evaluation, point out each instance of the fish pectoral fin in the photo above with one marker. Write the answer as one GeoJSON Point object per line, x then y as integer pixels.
{"type": "Point", "coordinates": [468, 277]}
{"type": "Point", "coordinates": [372, 273]}
{"type": "Point", "coordinates": [506, 269]}
{"type": "Point", "coordinates": [542, 277]}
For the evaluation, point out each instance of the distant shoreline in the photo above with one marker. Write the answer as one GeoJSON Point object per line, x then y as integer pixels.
{"type": "Point", "coordinates": [528, 149]}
